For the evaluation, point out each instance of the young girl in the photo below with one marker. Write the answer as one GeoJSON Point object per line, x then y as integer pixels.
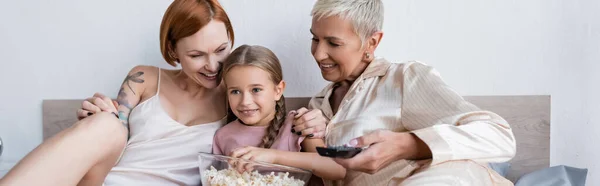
{"type": "Point", "coordinates": [262, 131]}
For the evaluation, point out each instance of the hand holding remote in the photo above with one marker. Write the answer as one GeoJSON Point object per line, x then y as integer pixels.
{"type": "Point", "coordinates": [385, 147]}
{"type": "Point", "coordinates": [339, 151]}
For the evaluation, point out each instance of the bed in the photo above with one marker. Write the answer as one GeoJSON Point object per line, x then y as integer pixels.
{"type": "Point", "coordinates": [528, 115]}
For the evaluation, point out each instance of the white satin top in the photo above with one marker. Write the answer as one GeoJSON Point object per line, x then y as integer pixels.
{"type": "Point", "coordinates": [161, 151]}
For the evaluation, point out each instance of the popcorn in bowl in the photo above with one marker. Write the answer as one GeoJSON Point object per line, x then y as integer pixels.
{"type": "Point", "coordinates": [231, 177]}
{"type": "Point", "coordinates": [218, 170]}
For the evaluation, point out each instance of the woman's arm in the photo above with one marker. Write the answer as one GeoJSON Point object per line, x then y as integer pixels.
{"type": "Point", "coordinates": [131, 91]}
{"type": "Point", "coordinates": [442, 127]}
{"type": "Point", "coordinates": [128, 97]}
{"type": "Point", "coordinates": [452, 128]}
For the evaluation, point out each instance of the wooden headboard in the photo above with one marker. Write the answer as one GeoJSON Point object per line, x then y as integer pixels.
{"type": "Point", "coordinates": [529, 116]}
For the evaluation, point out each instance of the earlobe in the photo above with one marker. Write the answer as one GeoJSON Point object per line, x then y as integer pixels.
{"type": "Point", "coordinates": [372, 44]}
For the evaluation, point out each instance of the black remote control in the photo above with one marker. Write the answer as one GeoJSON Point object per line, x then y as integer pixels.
{"type": "Point", "coordinates": [339, 151]}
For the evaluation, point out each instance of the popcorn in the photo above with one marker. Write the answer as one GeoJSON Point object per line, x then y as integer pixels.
{"type": "Point", "coordinates": [231, 177]}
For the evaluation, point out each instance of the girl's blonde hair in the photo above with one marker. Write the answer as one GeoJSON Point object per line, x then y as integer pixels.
{"type": "Point", "coordinates": [265, 59]}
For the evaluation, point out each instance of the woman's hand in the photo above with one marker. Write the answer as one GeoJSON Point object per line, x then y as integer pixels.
{"type": "Point", "coordinates": [309, 123]}
{"type": "Point", "coordinates": [385, 148]}
{"type": "Point", "coordinates": [95, 104]}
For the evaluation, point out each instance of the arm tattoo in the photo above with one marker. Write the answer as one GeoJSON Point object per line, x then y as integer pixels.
{"type": "Point", "coordinates": [135, 77]}
{"type": "Point", "coordinates": [122, 96]}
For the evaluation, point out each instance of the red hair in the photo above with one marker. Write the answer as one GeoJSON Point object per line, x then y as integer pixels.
{"type": "Point", "coordinates": [184, 18]}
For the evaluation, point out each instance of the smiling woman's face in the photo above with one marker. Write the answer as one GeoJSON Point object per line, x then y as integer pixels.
{"type": "Point", "coordinates": [202, 53]}
{"type": "Point", "coordinates": [337, 49]}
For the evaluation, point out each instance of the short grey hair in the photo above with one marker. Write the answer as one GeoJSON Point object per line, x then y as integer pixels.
{"type": "Point", "coordinates": [366, 15]}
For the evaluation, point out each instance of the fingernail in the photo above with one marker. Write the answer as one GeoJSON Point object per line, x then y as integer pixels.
{"type": "Point", "coordinates": [89, 113]}
{"type": "Point", "coordinates": [293, 131]}
{"type": "Point", "coordinates": [311, 135]}
{"type": "Point", "coordinates": [299, 133]}
{"type": "Point", "coordinates": [353, 143]}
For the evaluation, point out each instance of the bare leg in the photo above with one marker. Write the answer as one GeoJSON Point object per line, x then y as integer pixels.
{"type": "Point", "coordinates": [80, 154]}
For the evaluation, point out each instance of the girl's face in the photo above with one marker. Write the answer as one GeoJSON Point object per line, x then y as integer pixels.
{"type": "Point", "coordinates": [252, 94]}
{"type": "Point", "coordinates": [201, 54]}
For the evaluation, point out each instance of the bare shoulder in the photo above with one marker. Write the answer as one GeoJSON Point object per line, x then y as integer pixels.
{"type": "Point", "coordinates": [144, 70]}
{"type": "Point", "coordinates": [169, 75]}
{"type": "Point", "coordinates": [142, 79]}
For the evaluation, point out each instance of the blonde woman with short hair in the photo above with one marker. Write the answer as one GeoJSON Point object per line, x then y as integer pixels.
{"type": "Point", "coordinates": [417, 129]}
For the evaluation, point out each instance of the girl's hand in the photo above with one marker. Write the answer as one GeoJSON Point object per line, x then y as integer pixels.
{"type": "Point", "coordinates": [253, 154]}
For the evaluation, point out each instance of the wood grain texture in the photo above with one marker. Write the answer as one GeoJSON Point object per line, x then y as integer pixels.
{"type": "Point", "coordinates": [58, 115]}
{"type": "Point", "coordinates": [529, 116]}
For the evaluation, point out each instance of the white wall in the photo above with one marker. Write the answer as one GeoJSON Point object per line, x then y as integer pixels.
{"type": "Point", "coordinates": [68, 49]}
{"type": "Point", "coordinates": [591, 129]}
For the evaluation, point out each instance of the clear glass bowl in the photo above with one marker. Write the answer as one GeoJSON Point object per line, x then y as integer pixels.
{"type": "Point", "coordinates": [248, 172]}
